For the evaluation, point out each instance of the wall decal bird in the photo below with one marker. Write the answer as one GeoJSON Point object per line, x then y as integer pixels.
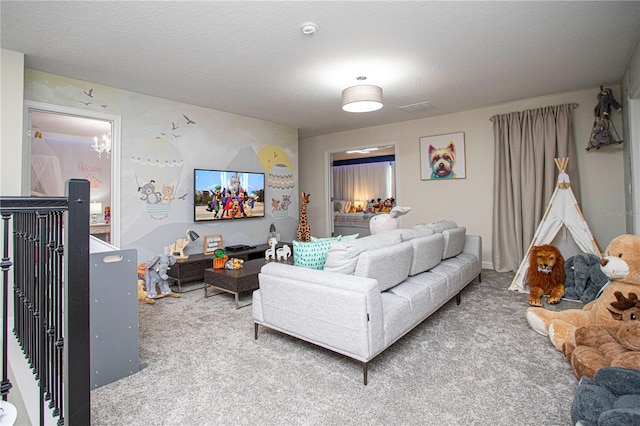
{"type": "Point", "coordinates": [89, 93]}
{"type": "Point", "coordinates": [173, 126]}
{"type": "Point", "coordinates": [189, 121]}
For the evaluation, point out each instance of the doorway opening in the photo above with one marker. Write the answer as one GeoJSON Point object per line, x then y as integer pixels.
{"type": "Point", "coordinates": [356, 177]}
{"type": "Point", "coordinates": [65, 143]}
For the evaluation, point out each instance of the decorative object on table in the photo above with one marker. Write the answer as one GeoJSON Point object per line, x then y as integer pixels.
{"type": "Point", "coordinates": [156, 277]}
{"type": "Point", "coordinates": [283, 253]}
{"type": "Point", "coordinates": [387, 221]}
{"type": "Point", "coordinates": [177, 248]}
{"type": "Point", "coordinates": [272, 234]}
{"type": "Point", "coordinates": [212, 243]}
{"type": "Point", "coordinates": [95, 209]}
{"type": "Point", "coordinates": [546, 274]}
{"type": "Point", "coordinates": [107, 214]}
{"type": "Point", "coordinates": [304, 230]}
{"type": "Point", "coordinates": [442, 157]}
{"type": "Point", "coordinates": [233, 263]}
{"type": "Point", "coordinates": [219, 258]}
{"type": "Point", "coordinates": [142, 294]}
{"type": "Point", "coordinates": [622, 265]}
{"type": "Point", "coordinates": [270, 253]}
{"type": "Point", "coordinates": [600, 133]}
{"type": "Point", "coordinates": [612, 398]}
{"type": "Point", "coordinates": [599, 346]}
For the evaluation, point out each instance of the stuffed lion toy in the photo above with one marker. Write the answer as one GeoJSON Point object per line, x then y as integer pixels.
{"type": "Point", "coordinates": [546, 274]}
{"type": "Point", "coordinates": [622, 265]}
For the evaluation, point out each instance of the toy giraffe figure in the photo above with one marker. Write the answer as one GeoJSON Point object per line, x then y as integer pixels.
{"type": "Point", "coordinates": [304, 231]}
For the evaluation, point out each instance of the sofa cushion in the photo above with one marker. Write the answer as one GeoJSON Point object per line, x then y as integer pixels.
{"type": "Point", "coordinates": [453, 241]}
{"type": "Point", "coordinates": [441, 225]}
{"type": "Point", "coordinates": [343, 255]}
{"type": "Point", "coordinates": [427, 253]}
{"type": "Point", "coordinates": [389, 265]}
{"type": "Point", "coordinates": [312, 254]}
{"type": "Point", "coordinates": [407, 234]}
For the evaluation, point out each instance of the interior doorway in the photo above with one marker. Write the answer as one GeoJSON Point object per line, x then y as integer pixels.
{"type": "Point", "coordinates": [379, 182]}
{"type": "Point", "coordinates": [65, 143]}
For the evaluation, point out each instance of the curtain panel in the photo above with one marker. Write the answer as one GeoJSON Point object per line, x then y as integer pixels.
{"type": "Point", "coordinates": [526, 144]}
{"type": "Point", "coordinates": [362, 181]}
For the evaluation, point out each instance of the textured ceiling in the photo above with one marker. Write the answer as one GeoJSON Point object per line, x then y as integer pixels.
{"type": "Point", "coordinates": [251, 58]}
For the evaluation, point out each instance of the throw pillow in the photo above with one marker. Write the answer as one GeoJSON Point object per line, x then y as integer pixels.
{"type": "Point", "coordinates": [349, 237]}
{"type": "Point", "coordinates": [312, 254]}
{"type": "Point", "coordinates": [316, 239]}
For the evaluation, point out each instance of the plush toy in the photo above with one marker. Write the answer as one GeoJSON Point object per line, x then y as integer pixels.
{"type": "Point", "coordinates": [546, 274]}
{"type": "Point", "coordinates": [600, 133]}
{"type": "Point", "coordinates": [584, 277]}
{"type": "Point", "coordinates": [142, 294]}
{"type": "Point", "coordinates": [387, 221]}
{"type": "Point", "coordinates": [233, 263]}
{"type": "Point", "coordinates": [107, 214]}
{"type": "Point", "coordinates": [599, 346]}
{"type": "Point", "coordinates": [622, 265]}
{"type": "Point", "coordinates": [156, 275]}
{"type": "Point", "coordinates": [612, 398]}
{"type": "Point", "coordinates": [387, 205]}
{"type": "Point", "coordinates": [605, 102]}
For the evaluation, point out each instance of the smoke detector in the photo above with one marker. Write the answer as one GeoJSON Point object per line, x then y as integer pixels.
{"type": "Point", "coordinates": [309, 28]}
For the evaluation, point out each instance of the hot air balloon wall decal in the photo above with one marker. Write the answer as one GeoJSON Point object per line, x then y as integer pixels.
{"type": "Point", "coordinates": [158, 167]}
{"type": "Point", "coordinates": [280, 179]}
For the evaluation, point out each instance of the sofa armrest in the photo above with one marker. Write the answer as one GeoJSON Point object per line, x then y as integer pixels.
{"type": "Point", "coordinates": [473, 245]}
{"type": "Point", "coordinates": [333, 310]}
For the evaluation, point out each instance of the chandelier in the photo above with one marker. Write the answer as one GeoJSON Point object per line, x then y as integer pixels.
{"type": "Point", "coordinates": [104, 147]}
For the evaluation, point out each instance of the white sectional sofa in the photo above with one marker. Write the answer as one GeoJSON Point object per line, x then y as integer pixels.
{"type": "Point", "coordinates": [372, 290]}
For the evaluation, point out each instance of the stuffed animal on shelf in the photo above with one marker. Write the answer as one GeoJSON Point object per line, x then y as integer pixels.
{"type": "Point", "coordinates": [387, 205]}
{"type": "Point", "coordinates": [622, 265]}
{"type": "Point", "coordinates": [156, 276]}
{"type": "Point", "coordinates": [546, 274]}
{"type": "Point", "coordinates": [599, 346]}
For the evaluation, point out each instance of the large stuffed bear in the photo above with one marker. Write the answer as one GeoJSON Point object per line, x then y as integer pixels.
{"type": "Point", "coordinates": [622, 265]}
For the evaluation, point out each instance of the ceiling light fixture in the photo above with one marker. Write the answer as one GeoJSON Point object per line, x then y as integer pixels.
{"type": "Point", "coordinates": [362, 98]}
{"type": "Point", "coordinates": [102, 147]}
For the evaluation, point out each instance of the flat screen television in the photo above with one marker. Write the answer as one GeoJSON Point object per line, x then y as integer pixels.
{"type": "Point", "coordinates": [227, 195]}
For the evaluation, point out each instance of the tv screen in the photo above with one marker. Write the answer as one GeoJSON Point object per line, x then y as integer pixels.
{"type": "Point", "coordinates": [227, 195]}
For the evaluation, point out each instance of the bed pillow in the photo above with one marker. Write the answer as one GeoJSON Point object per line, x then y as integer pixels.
{"type": "Point", "coordinates": [341, 206]}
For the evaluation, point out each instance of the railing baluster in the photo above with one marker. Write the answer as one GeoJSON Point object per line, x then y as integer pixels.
{"type": "Point", "coordinates": [50, 297]}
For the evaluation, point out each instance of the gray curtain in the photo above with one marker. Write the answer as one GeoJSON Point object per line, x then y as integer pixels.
{"type": "Point", "coordinates": [525, 173]}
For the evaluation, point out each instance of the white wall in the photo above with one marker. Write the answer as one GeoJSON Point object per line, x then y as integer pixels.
{"type": "Point", "coordinates": [155, 128]}
{"type": "Point", "coordinates": [12, 83]}
{"type": "Point", "coordinates": [630, 89]}
{"type": "Point", "coordinates": [470, 201]}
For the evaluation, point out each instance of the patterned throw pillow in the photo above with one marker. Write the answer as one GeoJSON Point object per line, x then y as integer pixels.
{"type": "Point", "coordinates": [311, 255]}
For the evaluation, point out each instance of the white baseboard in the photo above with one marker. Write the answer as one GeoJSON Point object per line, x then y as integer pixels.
{"type": "Point", "coordinates": [487, 265]}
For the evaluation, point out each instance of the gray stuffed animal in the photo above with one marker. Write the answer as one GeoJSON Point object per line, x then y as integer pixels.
{"type": "Point", "coordinates": [584, 277]}
{"type": "Point", "coordinates": [156, 275]}
{"type": "Point", "coordinates": [612, 398]}
{"type": "Point", "coordinates": [600, 133]}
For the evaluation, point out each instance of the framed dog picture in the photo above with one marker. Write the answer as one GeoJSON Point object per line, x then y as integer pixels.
{"type": "Point", "coordinates": [442, 157]}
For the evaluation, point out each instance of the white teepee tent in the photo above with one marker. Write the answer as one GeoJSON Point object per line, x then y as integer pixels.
{"type": "Point", "coordinates": [563, 210]}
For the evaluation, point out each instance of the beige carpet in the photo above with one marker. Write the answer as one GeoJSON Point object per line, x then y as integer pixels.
{"type": "Point", "coordinates": [473, 364]}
